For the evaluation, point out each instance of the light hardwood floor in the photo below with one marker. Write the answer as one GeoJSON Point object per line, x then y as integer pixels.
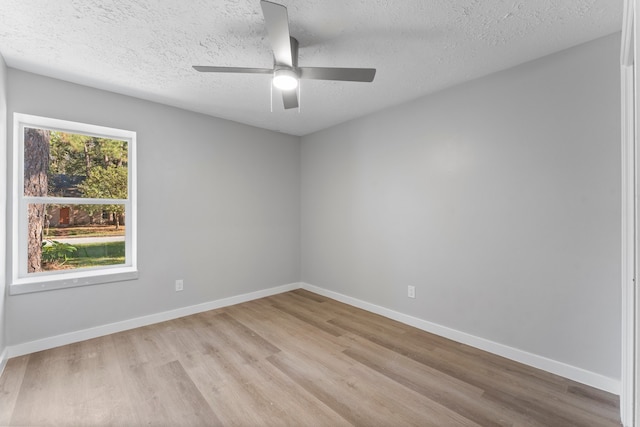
{"type": "Point", "coordinates": [294, 359]}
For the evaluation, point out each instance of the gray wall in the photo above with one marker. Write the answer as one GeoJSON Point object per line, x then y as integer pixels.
{"type": "Point", "coordinates": [3, 205]}
{"type": "Point", "coordinates": [218, 206]}
{"type": "Point", "coordinates": [498, 199]}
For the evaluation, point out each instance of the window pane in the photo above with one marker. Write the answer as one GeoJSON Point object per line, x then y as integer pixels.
{"type": "Point", "coordinates": [75, 236]}
{"type": "Point", "coordinates": [60, 164]}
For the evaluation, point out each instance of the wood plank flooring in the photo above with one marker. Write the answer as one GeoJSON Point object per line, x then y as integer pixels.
{"type": "Point", "coordinates": [295, 359]}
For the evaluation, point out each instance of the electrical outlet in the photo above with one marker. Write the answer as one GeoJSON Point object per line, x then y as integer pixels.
{"type": "Point", "coordinates": [411, 291]}
{"type": "Point", "coordinates": [179, 285]}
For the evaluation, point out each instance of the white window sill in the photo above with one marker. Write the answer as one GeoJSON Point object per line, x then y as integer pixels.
{"type": "Point", "coordinates": [39, 283]}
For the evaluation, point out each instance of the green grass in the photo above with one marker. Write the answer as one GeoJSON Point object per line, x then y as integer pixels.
{"type": "Point", "coordinates": [97, 254]}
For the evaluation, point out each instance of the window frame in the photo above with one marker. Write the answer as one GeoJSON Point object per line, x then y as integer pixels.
{"type": "Point", "coordinates": [23, 282]}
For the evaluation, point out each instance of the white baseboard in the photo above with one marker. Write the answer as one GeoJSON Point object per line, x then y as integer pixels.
{"type": "Point", "coordinates": [98, 331]}
{"type": "Point", "coordinates": [4, 357]}
{"type": "Point", "coordinates": [559, 368]}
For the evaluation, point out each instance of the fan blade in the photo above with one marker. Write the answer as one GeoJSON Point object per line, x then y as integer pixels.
{"type": "Point", "coordinates": [342, 74]}
{"type": "Point", "coordinates": [208, 69]}
{"type": "Point", "coordinates": [290, 99]}
{"type": "Point", "coordinates": [277, 22]}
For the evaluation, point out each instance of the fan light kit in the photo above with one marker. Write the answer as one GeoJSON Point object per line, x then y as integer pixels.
{"type": "Point", "coordinates": [286, 73]}
{"type": "Point", "coordinates": [285, 79]}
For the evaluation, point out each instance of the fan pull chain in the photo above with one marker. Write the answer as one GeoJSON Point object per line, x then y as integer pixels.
{"type": "Point", "coordinates": [271, 94]}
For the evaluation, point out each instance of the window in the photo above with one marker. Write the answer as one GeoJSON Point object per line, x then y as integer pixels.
{"type": "Point", "coordinates": [74, 207]}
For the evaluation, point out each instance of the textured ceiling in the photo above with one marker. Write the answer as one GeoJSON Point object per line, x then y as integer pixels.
{"type": "Point", "coordinates": [146, 48]}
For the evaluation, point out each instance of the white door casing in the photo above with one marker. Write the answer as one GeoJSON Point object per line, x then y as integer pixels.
{"type": "Point", "coordinates": [629, 395]}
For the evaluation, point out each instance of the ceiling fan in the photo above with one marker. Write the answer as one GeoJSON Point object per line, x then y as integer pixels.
{"type": "Point", "coordinates": [286, 73]}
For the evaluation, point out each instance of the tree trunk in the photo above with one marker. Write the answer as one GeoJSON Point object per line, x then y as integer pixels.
{"type": "Point", "coordinates": [36, 164]}
{"type": "Point", "coordinates": [87, 159]}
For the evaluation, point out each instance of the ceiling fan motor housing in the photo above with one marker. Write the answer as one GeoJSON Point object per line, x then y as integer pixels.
{"type": "Point", "coordinates": [284, 77]}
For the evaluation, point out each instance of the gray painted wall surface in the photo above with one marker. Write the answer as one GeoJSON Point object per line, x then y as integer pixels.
{"type": "Point", "coordinates": [3, 205]}
{"type": "Point", "coordinates": [218, 206]}
{"type": "Point", "coordinates": [498, 199]}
